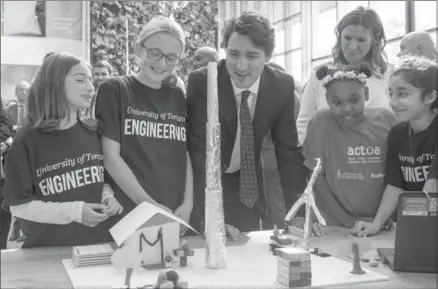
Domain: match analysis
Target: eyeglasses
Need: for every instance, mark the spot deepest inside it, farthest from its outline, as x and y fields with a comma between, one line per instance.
x=156, y=54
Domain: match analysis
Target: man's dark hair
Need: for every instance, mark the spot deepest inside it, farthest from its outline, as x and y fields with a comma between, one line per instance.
x=256, y=27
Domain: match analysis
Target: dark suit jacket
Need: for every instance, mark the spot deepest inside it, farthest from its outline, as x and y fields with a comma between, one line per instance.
x=5, y=127
x=268, y=148
x=5, y=133
x=273, y=113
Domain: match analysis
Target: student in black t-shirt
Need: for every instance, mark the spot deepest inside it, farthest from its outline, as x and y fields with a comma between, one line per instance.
x=412, y=143
x=55, y=175
x=142, y=123
x=432, y=179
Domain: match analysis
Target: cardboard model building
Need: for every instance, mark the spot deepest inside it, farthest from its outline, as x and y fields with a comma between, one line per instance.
x=145, y=235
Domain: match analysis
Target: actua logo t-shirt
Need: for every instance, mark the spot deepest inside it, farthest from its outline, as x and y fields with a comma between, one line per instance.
x=353, y=157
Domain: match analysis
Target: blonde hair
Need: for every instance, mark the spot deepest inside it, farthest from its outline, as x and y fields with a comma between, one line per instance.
x=47, y=103
x=160, y=24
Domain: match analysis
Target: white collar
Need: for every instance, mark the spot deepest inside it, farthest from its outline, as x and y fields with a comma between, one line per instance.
x=254, y=88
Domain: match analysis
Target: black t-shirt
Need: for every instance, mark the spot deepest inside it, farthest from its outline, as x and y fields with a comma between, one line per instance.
x=59, y=166
x=150, y=125
x=433, y=174
x=434, y=167
x=410, y=156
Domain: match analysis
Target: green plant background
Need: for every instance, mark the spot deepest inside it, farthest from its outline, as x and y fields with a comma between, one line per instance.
x=108, y=29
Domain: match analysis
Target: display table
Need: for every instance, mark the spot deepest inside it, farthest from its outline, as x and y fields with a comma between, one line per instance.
x=42, y=267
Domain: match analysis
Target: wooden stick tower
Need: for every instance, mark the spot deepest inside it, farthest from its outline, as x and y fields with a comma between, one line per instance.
x=307, y=199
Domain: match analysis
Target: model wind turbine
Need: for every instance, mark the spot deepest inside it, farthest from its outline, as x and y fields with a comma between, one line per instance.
x=308, y=199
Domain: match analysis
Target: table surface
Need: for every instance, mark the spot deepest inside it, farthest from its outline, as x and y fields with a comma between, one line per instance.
x=42, y=267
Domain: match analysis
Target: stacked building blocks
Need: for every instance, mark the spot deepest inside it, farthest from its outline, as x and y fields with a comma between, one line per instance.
x=183, y=253
x=92, y=255
x=294, y=268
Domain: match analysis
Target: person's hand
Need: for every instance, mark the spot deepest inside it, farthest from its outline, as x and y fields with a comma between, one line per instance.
x=4, y=148
x=316, y=229
x=112, y=206
x=431, y=185
x=90, y=216
x=232, y=232
x=388, y=226
x=363, y=229
x=184, y=211
x=166, y=285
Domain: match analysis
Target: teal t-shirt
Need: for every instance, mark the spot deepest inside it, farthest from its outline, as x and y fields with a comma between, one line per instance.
x=353, y=160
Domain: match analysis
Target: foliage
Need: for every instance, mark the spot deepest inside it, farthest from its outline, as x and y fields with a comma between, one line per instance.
x=108, y=29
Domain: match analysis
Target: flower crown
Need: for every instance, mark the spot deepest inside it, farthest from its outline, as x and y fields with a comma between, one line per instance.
x=340, y=74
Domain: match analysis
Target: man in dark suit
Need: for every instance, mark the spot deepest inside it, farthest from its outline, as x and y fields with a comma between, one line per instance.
x=274, y=193
x=254, y=100
x=5, y=142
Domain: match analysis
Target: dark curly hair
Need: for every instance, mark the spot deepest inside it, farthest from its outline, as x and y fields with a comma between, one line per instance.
x=421, y=73
x=256, y=27
x=324, y=70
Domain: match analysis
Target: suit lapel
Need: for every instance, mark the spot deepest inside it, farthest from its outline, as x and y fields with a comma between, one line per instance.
x=227, y=100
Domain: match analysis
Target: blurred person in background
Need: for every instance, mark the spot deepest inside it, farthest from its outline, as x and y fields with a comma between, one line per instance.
x=5, y=140
x=418, y=43
x=22, y=92
x=101, y=70
x=203, y=55
x=16, y=112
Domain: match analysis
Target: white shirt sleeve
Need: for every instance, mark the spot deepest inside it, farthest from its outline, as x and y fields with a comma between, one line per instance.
x=9, y=141
x=49, y=212
x=308, y=106
x=378, y=93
